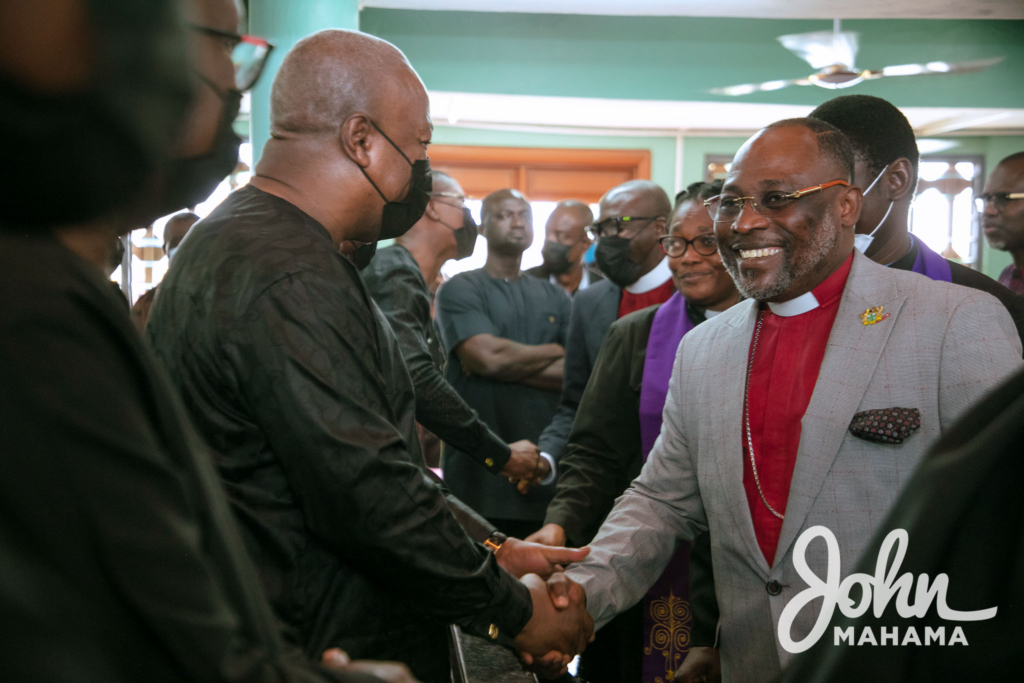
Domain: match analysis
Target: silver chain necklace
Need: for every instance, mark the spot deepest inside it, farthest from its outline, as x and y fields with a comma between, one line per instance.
x=750, y=440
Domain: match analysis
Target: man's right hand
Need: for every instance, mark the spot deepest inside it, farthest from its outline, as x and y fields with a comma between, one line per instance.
x=524, y=463
x=566, y=629
x=549, y=534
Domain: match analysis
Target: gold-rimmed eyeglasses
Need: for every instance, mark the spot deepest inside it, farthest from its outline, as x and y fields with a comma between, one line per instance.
x=726, y=208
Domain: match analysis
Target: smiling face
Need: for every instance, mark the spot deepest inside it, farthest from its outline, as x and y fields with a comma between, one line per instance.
x=702, y=280
x=780, y=257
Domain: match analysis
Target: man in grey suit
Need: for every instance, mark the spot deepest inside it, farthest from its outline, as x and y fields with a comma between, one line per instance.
x=771, y=423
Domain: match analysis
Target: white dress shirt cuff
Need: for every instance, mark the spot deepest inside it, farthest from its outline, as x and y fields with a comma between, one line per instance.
x=550, y=479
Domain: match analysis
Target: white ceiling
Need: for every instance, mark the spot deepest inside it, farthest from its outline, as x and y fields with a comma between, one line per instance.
x=639, y=117
x=768, y=9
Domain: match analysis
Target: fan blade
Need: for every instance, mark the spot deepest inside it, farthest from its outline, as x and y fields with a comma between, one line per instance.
x=748, y=88
x=933, y=68
x=823, y=48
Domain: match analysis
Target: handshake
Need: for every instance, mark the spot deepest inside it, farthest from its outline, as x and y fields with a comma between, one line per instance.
x=560, y=627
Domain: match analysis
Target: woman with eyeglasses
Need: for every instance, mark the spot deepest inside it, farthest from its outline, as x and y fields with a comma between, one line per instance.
x=618, y=420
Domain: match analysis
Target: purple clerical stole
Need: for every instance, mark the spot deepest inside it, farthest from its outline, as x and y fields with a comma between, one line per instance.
x=927, y=263
x=666, y=607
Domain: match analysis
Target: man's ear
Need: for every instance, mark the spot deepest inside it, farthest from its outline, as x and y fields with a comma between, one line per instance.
x=355, y=139
x=850, y=203
x=431, y=212
x=900, y=182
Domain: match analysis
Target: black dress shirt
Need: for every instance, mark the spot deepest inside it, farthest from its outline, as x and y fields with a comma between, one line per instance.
x=528, y=311
x=119, y=557
x=293, y=375
x=397, y=286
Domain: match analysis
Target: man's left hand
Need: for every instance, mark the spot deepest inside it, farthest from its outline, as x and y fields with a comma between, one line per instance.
x=523, y=557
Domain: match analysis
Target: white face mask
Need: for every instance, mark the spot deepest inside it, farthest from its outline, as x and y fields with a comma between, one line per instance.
x=860, y=241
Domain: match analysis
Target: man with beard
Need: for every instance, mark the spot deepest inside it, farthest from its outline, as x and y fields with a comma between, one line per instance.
x=1002, y=216
x=565, y=243
x=504, y=335
x=119, y=559
x=397, y=280
x=886, y=164
x=633, y=216
x=297, y=381
x=616, y=426
x=808, y=405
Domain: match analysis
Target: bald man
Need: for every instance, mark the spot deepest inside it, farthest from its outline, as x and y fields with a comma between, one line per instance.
x=295, y=378
x=565, y=242
x=397, y=279
x=1002, y=216
x=794, y=418
x=633, y=216
x=504, y=336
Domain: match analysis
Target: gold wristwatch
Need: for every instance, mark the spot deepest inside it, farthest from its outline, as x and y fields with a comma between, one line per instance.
x=495, y=541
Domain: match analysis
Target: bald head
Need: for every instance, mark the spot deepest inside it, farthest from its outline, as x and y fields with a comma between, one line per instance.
x=176, y=228
x=641, y=195
x=496, y=199
x=332, y=74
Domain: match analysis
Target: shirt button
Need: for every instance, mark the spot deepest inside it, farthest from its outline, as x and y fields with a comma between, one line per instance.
x=493, y=632
x=773, y=587
x=489, y=462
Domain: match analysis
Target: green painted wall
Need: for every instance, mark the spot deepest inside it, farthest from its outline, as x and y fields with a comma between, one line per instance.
x=680, y=58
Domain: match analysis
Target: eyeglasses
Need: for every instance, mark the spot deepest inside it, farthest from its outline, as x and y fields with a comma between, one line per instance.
x=248, y=53
x=676, y=247
x=998, y=199
x=726, y=208
x=611, y=227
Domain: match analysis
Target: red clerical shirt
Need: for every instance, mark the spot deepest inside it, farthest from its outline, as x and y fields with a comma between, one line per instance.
x=634, y=302
x=785, y=369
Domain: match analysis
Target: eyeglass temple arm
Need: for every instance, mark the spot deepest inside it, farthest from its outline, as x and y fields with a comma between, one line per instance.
x=818, y=188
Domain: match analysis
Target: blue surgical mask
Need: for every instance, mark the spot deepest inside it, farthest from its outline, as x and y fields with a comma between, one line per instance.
x=170, y=253
x=861, y=241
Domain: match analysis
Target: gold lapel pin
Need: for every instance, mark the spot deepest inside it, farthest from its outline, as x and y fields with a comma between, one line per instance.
x=873, y=315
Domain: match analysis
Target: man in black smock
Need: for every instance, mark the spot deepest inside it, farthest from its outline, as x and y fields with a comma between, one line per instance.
x=399, y=279
x=504, y=334
x=296, y=380
x=119, y=557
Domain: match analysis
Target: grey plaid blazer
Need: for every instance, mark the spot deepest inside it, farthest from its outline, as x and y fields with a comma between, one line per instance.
x=940, y=350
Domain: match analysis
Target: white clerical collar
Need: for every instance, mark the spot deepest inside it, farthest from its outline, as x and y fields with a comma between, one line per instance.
x=652, y=280
x=709, y=314
x=803, y=303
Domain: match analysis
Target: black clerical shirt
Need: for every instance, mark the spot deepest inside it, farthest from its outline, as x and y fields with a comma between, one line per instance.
x=397, y=285
x=293, y=375
x=119, y=557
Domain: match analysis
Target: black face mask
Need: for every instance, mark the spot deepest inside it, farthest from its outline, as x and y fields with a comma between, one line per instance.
x=612, y=256
x=190, y=181
x=362, y=256
x=556, y=257
x=465, y=236
x=398, y=217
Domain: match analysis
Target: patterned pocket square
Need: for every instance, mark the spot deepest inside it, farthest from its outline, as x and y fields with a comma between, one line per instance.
x=886, y=425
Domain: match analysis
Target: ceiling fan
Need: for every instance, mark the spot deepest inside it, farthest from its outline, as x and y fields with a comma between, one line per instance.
x=833, y=53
